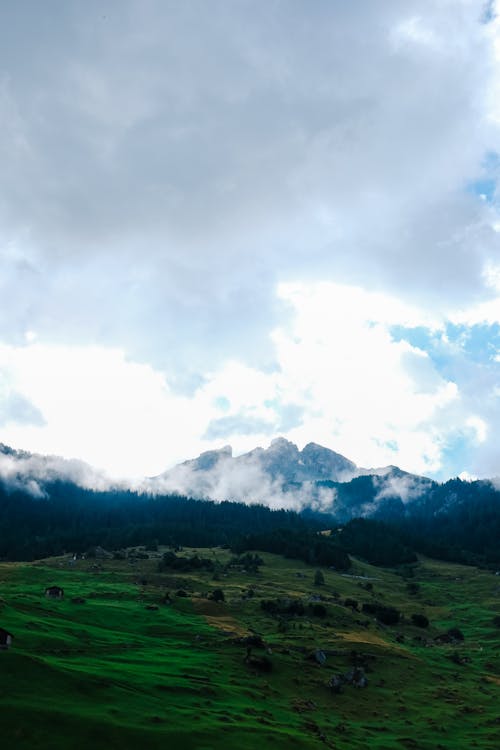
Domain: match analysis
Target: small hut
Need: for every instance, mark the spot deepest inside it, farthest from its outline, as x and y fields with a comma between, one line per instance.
x=5, y=638
x=54, y=592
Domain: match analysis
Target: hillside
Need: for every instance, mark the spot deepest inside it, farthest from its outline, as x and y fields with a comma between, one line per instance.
x=125, y=659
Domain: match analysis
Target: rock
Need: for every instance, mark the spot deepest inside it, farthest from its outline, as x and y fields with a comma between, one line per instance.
x=336, y=683
x=317, y=656
x=356, y=677
x=320, y=657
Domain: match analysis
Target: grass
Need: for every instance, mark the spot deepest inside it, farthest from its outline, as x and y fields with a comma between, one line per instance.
x=110, y=673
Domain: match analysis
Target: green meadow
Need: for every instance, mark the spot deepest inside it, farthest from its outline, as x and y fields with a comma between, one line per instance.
x=111, y=673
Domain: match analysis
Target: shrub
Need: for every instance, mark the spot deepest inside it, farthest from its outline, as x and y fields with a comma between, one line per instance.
x=385, y=615
x=319, y=578
x=456, y=634
x=388, y=615
x=289, y=607
x=260, y=663
x=317, y=610
x=217, y=595
x=249, y=562
x=171, y=561
x=420, y=621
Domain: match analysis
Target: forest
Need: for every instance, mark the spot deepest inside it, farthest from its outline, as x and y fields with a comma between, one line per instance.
x=456, y=521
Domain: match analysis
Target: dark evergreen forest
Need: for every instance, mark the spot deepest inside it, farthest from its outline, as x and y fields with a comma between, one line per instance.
x=456, y=521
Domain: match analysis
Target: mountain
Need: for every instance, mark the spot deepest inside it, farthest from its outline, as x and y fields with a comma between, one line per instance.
x=48, y=504
x=284, y=476
x=315, y=479
x=283, y=460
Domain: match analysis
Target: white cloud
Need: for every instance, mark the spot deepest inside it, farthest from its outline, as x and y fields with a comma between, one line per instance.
x=362, y=389
x=479, y=426
x=31, y=472
x=406, y=488
x=352, y=386
x=99, y=406
x=165, y=166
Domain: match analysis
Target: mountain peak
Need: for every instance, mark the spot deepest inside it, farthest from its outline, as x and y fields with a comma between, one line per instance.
x=208, y=459
x=323, y=463
x=281, y=442
x=282, y=446
x=282, y=461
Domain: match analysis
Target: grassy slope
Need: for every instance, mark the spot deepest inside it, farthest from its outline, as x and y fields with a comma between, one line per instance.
x=111, y=674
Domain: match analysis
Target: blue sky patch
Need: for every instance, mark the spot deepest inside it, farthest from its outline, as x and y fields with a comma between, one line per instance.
x=478, y=343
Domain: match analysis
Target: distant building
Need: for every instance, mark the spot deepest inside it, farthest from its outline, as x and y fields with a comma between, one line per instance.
x=5, y=638
x=54, y=592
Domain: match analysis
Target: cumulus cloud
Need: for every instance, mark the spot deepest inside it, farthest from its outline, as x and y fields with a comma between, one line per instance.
x=341, y=377
x=165, y=164
x=177, y=178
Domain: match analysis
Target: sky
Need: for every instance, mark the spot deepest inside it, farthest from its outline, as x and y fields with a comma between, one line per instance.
x=223, y=222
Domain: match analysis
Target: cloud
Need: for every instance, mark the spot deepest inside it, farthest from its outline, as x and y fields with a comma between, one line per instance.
x=14, y=407
x=341, y=377
x=242, y=480
x=237, y=424
x=164, y=165
x=30, y=473
x=210, y=201
x=405, y=487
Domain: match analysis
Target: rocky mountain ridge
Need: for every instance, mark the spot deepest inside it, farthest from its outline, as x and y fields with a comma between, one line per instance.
x=284, y=459
x=315, y=478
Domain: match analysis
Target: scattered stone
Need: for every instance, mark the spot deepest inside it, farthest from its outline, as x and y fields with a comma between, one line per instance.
x=320, y=657
x=336, y=683
x=356, y=677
